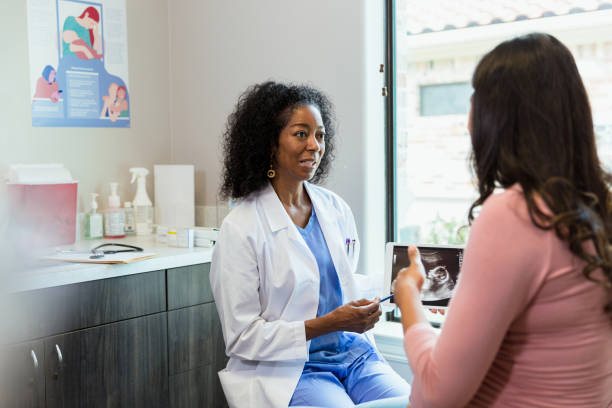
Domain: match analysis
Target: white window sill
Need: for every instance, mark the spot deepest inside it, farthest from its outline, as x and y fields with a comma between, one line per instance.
x=389, y=339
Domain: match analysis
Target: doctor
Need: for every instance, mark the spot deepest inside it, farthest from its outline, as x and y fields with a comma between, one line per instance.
x=282, y=270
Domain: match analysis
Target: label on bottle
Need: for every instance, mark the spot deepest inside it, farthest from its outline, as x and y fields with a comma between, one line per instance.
x=114, y=224
x=95, y=226
x=130, y=220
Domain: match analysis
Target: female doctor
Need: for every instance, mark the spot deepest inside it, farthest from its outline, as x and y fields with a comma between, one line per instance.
x=282, y=270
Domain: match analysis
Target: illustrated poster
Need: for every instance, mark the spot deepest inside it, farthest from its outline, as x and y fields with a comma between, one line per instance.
x=78, y=63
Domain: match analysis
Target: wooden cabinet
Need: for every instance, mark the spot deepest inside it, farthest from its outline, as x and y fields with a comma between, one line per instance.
x=121, y=364
x=22, y=380
x=195, y=340
x=145, y=340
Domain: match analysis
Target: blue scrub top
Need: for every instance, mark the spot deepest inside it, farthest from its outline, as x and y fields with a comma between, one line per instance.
x=336, y=347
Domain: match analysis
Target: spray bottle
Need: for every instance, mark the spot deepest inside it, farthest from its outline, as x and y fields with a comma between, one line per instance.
x=114, y=217
x=93, y=220
x=143, y=207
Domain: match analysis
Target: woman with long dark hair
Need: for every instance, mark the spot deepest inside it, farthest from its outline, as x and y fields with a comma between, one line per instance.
x=530, y=323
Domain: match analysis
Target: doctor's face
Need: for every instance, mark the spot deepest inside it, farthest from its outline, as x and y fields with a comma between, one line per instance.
x=301, y=144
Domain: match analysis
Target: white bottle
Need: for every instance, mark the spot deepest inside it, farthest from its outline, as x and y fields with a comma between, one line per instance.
x=93, y=220
x=143, y=207
x=114, y=217
x=130, y=218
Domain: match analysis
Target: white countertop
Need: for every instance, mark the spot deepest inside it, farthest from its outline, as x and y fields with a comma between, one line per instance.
x=46, y=273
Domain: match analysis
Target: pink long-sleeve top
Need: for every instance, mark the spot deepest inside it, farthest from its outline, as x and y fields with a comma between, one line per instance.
x=525, y=328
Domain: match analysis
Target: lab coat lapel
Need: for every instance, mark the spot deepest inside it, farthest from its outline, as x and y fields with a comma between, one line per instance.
x=278, y=218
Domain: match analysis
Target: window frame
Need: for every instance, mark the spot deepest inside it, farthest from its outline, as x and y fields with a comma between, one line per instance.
x=390, y=120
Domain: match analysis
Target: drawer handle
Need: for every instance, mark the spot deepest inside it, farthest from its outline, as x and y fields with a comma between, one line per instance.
x=60, y=360
x=34, y=359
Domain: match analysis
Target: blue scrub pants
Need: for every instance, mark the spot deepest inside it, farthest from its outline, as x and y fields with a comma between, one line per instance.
x=340, y=385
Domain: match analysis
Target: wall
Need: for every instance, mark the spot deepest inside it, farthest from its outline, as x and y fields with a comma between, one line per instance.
x=94, y=156
x=189, y=60
x=219, y=48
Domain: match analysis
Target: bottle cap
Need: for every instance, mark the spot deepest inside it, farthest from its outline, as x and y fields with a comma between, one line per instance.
x=94, y=203
x=113, y=199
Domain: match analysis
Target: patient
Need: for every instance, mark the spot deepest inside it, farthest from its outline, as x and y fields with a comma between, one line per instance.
x=530, y=322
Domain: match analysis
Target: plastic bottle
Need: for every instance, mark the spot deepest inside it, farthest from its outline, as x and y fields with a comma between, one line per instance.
x=130, y=218
x=93, y=220
x=143, y=207
x=114, y=217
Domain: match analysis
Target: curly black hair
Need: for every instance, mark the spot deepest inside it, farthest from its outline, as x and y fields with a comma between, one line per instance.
x=253, y=129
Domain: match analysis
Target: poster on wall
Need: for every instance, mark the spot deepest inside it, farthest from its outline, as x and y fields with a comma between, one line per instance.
x=78, y=63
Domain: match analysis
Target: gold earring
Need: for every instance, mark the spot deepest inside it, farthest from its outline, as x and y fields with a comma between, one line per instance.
x=271, y=173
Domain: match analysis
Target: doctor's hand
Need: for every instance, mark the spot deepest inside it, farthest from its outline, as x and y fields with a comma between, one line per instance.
x=357, y=316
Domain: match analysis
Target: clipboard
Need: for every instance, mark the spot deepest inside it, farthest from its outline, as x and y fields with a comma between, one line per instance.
x=119, y=258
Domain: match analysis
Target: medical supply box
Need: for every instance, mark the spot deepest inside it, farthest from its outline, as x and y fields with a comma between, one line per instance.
x=42, y=205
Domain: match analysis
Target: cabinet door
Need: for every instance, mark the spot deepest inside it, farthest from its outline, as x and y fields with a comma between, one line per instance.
x=123, y=364
x=197, y=388
x=196, y=353
x=22, y=381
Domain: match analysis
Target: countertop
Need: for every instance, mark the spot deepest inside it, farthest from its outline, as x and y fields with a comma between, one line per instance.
x=47, y=273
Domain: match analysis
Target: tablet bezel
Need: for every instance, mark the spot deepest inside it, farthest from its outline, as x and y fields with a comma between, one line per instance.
x=389, y=260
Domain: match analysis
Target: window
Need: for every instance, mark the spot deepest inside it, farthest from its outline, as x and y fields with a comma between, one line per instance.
x=436, y=48
x=445, y=99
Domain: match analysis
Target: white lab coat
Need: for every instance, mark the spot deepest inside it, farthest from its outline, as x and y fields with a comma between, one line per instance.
x=265, y=281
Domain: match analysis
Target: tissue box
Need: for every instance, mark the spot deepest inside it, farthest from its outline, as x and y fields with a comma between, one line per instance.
x=43, y=215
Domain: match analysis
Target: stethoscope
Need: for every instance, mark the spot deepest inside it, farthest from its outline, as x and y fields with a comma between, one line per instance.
x=98, y=253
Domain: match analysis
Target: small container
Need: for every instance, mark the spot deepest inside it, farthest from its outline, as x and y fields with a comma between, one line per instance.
x=204, y=243
x=143, y=206
x=184, y=238
x=161, y=236
x=114, y=217
x=207, y=233
x=94, y=225
x=181, y=237
x=130, y=218
x=171, y=237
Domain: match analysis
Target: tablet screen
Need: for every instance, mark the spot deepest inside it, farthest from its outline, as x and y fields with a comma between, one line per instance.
x=442, y=265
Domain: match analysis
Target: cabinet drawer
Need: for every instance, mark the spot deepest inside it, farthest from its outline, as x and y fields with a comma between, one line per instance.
x=195, y=338
x=77, y=306
x=189, y=285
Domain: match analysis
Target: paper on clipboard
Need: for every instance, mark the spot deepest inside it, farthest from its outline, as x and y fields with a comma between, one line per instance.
x=120, y=258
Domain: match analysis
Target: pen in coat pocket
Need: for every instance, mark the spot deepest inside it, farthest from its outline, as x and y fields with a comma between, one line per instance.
x=347, y=242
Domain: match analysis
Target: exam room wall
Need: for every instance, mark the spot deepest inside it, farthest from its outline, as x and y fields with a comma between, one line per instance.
x=95, y=156
x=219, y=48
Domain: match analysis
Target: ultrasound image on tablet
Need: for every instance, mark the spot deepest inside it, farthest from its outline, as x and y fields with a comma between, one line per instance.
x=442, y=266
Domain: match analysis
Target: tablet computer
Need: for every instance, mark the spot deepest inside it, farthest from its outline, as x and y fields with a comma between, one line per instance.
x=442, y=265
